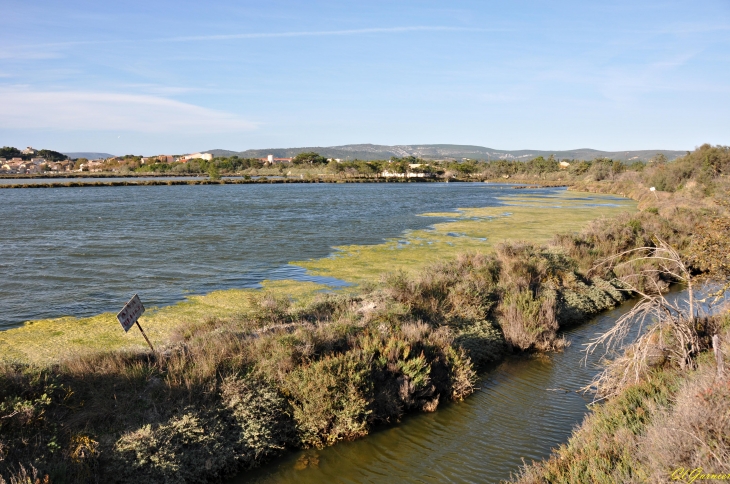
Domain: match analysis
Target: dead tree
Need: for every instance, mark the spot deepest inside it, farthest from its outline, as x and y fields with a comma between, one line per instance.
x=666, y=329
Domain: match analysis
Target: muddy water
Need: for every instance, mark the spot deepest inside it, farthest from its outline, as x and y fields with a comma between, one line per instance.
x=523, y=408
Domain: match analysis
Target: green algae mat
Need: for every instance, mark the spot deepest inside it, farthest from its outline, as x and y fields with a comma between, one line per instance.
x=532, y=218
x=536, y=218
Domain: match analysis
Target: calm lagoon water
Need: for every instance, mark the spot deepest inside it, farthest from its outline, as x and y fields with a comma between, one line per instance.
x=83, y=251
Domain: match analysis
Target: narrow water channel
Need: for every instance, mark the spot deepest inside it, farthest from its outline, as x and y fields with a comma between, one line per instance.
x=523, y=408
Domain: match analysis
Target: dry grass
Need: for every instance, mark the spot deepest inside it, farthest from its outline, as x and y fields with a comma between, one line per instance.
x=692, y=433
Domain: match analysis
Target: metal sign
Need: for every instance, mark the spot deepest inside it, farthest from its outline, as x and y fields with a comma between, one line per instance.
x=130, y=313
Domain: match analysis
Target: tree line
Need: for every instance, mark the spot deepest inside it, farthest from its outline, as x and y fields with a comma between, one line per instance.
x=48, y=155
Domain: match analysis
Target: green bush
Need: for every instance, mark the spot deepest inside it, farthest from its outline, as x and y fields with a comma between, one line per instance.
x=251, y=423
x=327, y=402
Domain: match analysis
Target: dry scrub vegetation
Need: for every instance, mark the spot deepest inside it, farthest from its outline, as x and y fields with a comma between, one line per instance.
x=666, y=415
x=228, y=394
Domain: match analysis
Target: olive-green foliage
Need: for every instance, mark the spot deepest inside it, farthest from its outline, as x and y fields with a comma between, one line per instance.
x=448, y=293
x=213, y=172
x=263, y=416
x=328, y=403
x=577, y=304
x=310, y=158
x=250, y=423
x=703, y=165
x=174, y=451
x=531, y=281
x=520, y=295
x=343, y=378
x=529, y=321
x=483, y=342
x=460, y=295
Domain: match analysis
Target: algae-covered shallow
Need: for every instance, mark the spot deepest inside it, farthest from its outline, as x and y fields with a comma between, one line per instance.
x=536, y=215
x=49, y=340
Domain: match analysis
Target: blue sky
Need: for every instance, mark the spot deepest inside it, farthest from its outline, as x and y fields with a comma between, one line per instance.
x=176, y=77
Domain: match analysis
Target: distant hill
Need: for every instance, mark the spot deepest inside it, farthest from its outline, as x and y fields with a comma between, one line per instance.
x=88, y=156
x=446, y=152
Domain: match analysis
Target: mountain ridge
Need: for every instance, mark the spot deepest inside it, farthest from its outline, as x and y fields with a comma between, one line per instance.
x=367, y=151
x=89, y=155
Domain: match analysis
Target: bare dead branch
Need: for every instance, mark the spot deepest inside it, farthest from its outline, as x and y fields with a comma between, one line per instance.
x=672, y=332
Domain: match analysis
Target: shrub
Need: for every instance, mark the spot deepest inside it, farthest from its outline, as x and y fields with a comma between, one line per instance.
x=250, y=424
x=185, y=449
x=529, y=322
x=327, y=403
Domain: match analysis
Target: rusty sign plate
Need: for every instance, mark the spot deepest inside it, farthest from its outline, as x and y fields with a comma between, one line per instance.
x=130, y=313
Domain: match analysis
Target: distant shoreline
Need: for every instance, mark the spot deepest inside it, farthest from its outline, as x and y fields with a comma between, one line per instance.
x=263, y=180
x=86, y=174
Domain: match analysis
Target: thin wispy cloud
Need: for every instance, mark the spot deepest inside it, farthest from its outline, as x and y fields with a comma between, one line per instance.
x=17, y=50
x=104, y=111
x=323, y=33
x=31, y=52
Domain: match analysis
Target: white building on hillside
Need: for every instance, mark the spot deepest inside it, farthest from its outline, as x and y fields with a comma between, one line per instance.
x=196, y=156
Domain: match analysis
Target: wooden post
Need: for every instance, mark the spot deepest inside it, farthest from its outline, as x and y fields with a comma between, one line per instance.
x=145, y=336
x=718, y=355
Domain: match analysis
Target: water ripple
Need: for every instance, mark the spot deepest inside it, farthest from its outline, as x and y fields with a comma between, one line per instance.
x=60, y=248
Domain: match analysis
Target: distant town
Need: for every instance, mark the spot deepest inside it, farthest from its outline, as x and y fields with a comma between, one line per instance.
x=31, y=161
x=311, y=165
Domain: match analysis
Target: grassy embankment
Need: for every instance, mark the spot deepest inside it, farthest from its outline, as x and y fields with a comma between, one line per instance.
x=229, y=392
x=670, y=422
